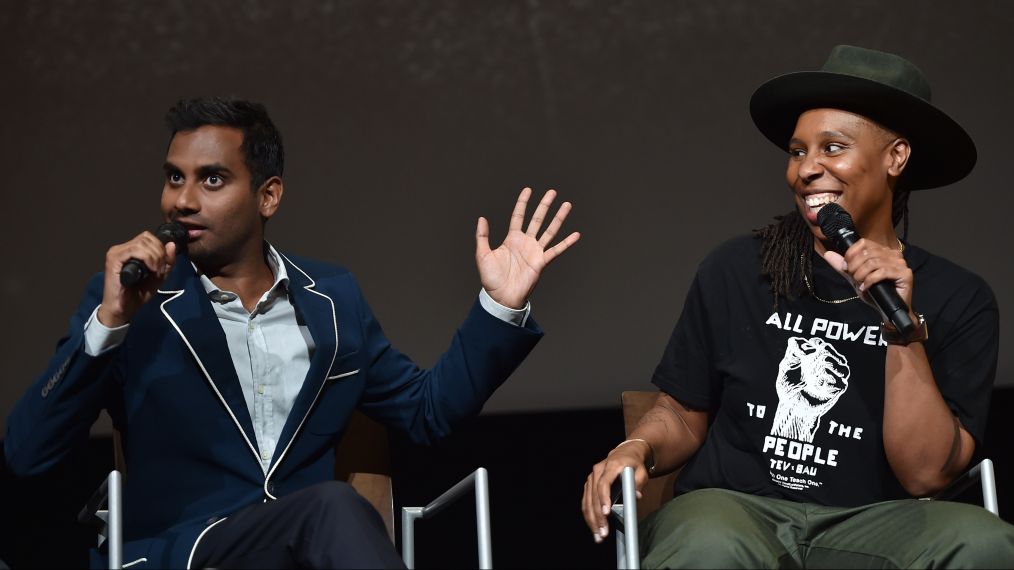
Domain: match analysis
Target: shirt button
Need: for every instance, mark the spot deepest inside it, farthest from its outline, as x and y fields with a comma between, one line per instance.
x=260, y=388
x=251, y=325
x=265, y=456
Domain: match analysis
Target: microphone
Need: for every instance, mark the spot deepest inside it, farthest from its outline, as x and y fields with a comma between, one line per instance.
x=134, y=270
x=838, y=227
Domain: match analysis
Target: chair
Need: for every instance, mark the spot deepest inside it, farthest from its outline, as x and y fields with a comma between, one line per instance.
x=659, y=490
x=362, y=459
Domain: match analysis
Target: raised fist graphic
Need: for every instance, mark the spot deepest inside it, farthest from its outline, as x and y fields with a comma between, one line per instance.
x=811, y=377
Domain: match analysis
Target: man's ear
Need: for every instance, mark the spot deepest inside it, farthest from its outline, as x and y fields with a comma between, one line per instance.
x=898, y=154
x=269, y=196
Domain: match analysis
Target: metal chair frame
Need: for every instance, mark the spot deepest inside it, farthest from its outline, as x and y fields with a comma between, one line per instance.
x=477, y=481
x=105, y=510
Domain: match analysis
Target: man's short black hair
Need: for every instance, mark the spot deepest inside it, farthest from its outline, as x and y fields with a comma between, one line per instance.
x=262, y=143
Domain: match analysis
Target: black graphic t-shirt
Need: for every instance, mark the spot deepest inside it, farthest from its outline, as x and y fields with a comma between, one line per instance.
x=797, y=394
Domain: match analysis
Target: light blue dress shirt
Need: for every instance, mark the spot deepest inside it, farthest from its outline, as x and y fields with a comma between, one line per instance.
x=270, y=348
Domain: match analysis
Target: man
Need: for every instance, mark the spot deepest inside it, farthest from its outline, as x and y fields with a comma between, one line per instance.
x=805, y=423
x=232, y=368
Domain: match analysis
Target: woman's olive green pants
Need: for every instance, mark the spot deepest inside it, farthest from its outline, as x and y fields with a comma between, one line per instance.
x=717, y=528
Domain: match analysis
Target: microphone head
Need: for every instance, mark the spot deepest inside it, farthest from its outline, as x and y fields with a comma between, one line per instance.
x=173, y=232
x=837, y=225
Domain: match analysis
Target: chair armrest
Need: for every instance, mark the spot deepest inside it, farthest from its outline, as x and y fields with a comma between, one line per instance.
x=981, y=473
x=477, y=480
x=628, y=550
x=109, y=494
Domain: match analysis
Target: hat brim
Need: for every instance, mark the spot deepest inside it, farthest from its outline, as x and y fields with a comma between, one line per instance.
x=942, y=152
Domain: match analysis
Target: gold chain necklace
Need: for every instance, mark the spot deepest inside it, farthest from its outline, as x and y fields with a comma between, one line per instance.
x=809, y=286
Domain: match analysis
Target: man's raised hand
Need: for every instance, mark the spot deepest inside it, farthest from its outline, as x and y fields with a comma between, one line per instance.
x=510, y=272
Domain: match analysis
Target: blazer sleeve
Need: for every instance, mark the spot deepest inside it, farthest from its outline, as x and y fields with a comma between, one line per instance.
x=59, y=407
x=426, y=404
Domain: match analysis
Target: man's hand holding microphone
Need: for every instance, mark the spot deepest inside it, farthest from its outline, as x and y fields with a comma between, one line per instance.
x=135, y=269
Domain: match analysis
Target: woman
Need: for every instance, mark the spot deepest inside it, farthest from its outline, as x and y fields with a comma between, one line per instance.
x=804, y=422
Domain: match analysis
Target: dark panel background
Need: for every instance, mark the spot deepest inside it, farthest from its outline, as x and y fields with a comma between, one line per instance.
x=405, y=121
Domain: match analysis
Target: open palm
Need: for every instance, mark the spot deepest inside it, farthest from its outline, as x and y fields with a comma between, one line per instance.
x=510, y=272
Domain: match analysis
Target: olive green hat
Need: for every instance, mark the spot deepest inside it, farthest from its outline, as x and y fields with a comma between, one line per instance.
x=883, y=87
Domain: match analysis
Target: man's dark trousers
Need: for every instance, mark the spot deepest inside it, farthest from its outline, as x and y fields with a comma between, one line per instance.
x=327, y=525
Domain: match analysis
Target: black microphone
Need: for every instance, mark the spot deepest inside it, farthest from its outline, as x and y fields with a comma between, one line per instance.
x=134, y=270
x=838, y=227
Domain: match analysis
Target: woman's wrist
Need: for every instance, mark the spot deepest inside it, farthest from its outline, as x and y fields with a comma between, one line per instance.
x=649, y=459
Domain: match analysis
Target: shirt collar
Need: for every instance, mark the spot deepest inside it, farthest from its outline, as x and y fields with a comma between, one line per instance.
x=278, y=288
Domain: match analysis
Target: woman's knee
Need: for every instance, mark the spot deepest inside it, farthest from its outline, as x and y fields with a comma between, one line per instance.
x=709, y=528
x=967, y=536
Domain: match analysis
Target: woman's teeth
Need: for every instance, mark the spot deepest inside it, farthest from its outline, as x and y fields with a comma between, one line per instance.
x=820, y=200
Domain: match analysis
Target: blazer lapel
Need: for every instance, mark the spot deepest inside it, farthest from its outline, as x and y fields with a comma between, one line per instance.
x=186, y=306
x=318, y=313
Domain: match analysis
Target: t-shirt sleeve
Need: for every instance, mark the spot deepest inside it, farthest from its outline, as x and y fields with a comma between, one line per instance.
x=687, y=371
x=963, y=350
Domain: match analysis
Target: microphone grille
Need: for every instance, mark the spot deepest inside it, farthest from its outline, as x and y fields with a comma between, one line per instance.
x=832, y=219
x=173, y=232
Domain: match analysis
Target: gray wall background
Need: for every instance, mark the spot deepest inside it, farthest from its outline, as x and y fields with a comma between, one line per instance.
x=405, y=121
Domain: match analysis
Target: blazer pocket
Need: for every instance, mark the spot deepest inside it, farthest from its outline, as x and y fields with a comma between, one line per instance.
x=345, y=367
x=343, y=375
x=329, y=414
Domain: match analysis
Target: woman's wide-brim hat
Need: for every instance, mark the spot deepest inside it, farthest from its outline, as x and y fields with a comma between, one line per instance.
x=880, y=86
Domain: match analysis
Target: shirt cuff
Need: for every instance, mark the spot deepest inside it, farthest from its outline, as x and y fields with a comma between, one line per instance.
x=513, y=316
x=99, y=338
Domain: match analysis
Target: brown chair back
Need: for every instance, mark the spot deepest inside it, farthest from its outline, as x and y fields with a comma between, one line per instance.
x=363, y=460
x=658, y=490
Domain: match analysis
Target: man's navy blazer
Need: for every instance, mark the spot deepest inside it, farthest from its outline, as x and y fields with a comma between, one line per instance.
x=172, y=391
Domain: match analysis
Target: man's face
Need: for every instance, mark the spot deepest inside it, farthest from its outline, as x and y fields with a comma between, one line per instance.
x=837, y=156
x=207, y=190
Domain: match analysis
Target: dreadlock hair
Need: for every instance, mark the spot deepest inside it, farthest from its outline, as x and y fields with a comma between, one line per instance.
x=789, y=239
